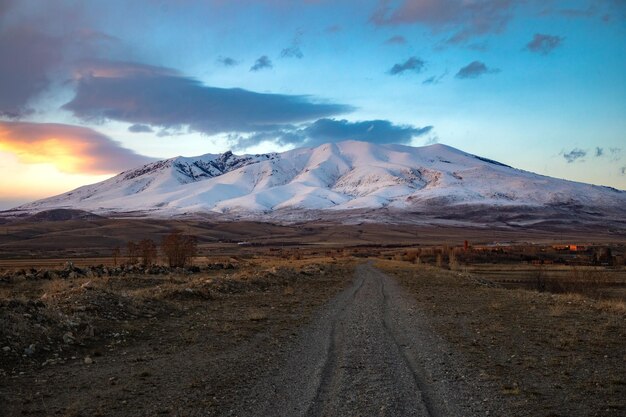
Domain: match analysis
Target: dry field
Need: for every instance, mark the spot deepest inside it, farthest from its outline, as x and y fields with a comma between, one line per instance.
x=145, y=345
x=505, y=337
x=539, y=354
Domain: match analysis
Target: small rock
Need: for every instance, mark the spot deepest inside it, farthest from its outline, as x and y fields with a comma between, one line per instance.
x=6, y=348
x=88, y=360
x=68, y=338
x=29, y=350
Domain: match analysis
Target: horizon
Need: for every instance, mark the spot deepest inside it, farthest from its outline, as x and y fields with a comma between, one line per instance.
x=96, y=89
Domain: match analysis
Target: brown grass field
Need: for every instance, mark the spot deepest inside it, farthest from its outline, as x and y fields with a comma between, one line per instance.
x=539, y=331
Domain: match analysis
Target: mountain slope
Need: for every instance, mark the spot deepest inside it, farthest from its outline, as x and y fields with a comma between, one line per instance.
x=332, y=177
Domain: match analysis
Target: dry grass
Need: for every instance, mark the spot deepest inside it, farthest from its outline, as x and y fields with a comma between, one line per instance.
x=527, y=345
x=613, y=306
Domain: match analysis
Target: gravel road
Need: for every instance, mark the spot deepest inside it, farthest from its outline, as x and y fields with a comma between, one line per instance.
x=366, y=354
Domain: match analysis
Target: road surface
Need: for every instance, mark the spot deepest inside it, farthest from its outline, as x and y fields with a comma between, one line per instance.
x=364, y=355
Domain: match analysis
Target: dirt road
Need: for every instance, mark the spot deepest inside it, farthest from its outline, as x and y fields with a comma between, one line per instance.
x=367, y=354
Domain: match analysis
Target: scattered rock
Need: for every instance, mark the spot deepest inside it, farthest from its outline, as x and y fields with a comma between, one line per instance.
x=88, y=360
x=68, y=338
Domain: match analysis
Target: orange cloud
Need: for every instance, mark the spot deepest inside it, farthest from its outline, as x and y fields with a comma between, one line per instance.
x=71, y=149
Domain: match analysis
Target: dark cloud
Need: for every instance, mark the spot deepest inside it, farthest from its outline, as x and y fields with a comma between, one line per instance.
x=435, y=79
x=396, y=40
x=27, y=59
x=544, y=44
x=604, y=10
x=227, y=61
x=375, y=131
x=71, y=149
x=138, y=128
x=466, y=19
x=161, y=97
x=5, y=5
x=474, y=70
x=574, y=155
x=292, y=52
x=38, y=43
x=332, y=130
x=412, y=64
x=261, y=63
x=614, y=154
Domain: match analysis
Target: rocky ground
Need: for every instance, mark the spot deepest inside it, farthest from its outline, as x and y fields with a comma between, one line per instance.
x=312, y=337
x=177, y=343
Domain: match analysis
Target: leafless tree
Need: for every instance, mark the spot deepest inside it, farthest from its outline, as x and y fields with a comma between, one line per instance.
x=179, y=249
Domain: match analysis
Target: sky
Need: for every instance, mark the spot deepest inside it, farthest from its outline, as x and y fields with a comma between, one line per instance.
x=89, y=88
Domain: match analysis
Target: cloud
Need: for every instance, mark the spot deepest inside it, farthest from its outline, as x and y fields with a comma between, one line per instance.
x=334, y=29
x=161, y=97
x=435, y=79
x=396, y=40
x=574, y=155
x=623, y=170
x=294, y=51
x=463, y=19
x=38, y=43
x=139, y=128
x=227, y=61
x=71, y=149
x=261, y=63
x=291, y=52
x=332, y=130
x=603, y=10
x=5, y=5
x=544, y=44
x=412, y=64
x=27, y=59
x=474, y=70
x=614, y=154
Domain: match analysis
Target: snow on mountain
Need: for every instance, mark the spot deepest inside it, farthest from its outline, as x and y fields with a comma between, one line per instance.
x=339, y=176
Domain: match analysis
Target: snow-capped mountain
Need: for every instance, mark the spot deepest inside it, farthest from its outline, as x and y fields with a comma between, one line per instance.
x=329, y=178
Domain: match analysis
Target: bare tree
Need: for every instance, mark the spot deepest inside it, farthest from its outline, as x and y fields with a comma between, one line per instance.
x=132, y=251
x=179, y=249
x=116, y=254
x=147, y=252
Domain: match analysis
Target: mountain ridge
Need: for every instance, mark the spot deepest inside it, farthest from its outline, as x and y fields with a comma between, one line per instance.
x=334, y=178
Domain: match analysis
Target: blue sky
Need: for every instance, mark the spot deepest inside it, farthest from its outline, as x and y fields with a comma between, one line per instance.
x=91, y=87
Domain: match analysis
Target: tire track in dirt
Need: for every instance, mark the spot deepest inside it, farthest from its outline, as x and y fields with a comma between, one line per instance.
x=369, y=359
x=354, y=361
